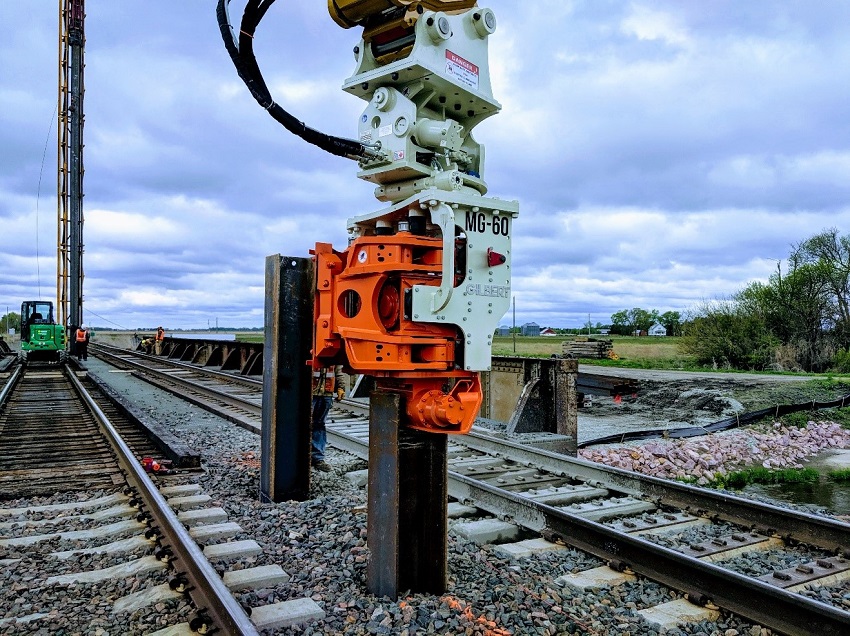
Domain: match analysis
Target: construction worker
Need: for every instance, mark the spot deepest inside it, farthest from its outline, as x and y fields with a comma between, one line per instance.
x=160, y=337
x=72, y=341
x=82, y=341
x=328, y=383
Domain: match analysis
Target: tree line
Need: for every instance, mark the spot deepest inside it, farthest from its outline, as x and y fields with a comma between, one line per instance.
x=798, y=320
x=629, y=321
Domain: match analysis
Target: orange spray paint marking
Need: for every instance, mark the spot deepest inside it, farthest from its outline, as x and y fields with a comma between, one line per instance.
x=465, y=611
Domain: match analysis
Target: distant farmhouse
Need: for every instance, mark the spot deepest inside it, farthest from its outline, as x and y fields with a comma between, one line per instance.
x=657, y=330
x=548, y=331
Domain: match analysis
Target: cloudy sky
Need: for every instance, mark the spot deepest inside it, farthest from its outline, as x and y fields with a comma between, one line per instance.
x=663, y=152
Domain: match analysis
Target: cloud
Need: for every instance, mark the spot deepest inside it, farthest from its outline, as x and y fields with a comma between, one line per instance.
x=662, y=152
x=647, y=24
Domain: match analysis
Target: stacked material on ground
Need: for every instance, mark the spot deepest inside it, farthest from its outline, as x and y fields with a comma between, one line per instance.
x=588, y=348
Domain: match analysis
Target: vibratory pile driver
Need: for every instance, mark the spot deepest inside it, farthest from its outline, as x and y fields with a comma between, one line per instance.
x=416, y=296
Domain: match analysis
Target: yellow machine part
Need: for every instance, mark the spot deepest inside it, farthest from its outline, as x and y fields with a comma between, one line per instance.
x=352, y=13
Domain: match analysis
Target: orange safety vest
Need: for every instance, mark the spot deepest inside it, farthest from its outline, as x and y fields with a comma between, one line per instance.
x=160, y=335
x=81, y=335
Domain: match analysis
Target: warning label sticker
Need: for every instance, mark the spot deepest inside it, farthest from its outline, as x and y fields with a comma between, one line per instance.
x=463, y=71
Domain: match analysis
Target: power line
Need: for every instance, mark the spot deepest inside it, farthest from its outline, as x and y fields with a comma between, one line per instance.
x=88, y=310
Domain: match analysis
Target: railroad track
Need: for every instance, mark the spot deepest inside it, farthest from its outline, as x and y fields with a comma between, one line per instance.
x=50, y=440
x=688, y=538
x=77, y=498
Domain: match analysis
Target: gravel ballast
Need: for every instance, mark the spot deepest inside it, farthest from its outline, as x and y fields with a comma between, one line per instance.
x=321, y=543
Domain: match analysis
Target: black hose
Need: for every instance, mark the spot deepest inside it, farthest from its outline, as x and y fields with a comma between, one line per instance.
x=242, y=54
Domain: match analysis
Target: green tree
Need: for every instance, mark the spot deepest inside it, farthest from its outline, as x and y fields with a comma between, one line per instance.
x=641, y=319
x=672, y=322
x=831, y=253
x=11, y=320
x=787, y=323
x=723, y=334
x=798, y=308
x=620, y=323
x=797, y=319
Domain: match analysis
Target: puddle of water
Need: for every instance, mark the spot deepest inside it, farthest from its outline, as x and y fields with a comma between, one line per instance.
x=825, y=493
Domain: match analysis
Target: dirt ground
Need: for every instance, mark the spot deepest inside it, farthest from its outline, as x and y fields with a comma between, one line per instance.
x=677, y=399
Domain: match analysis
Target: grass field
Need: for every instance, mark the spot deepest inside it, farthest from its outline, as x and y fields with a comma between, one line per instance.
x=643, y=353
x=640, y=353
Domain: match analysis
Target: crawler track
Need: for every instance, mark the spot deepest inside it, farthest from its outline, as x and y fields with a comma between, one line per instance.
x=613, y=514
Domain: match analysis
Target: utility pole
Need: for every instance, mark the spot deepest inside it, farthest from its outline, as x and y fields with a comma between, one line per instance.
x=69, y=264
x=513, y=302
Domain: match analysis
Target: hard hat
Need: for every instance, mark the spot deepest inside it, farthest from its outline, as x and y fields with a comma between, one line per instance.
x=83, y=327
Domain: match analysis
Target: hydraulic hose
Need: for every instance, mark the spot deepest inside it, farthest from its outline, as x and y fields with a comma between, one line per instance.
x=241, y=51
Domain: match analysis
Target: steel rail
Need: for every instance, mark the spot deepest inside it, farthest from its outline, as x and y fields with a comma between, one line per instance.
x=10, y=384
x=772, y=606
x=829, y=534
x=209, y=592
x=818, y=531
x=238, y=379
x=212, y=393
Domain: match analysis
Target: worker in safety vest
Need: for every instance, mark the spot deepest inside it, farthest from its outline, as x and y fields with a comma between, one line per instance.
x=81, y=339
x=328, y=383
x=160, y=337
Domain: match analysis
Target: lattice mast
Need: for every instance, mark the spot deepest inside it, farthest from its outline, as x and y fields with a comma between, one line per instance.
x=69, y=262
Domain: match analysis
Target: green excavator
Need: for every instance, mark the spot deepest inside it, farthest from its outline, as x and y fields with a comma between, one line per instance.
x=42, y=340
